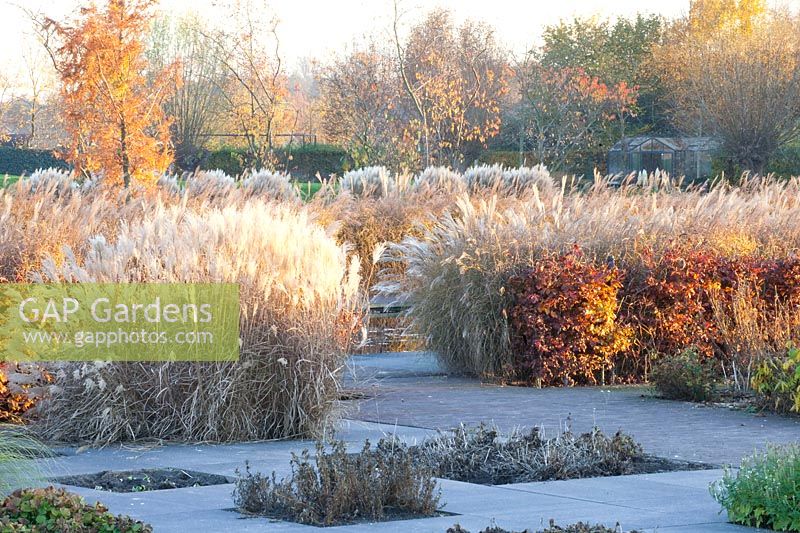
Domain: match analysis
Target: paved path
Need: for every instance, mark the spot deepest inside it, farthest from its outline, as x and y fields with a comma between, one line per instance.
x=676, y=502
x=411, y=396
x=409, y=389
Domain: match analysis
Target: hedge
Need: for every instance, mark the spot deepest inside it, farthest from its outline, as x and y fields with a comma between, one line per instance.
x=19, y=161
x=302, y=162
x=507, y=158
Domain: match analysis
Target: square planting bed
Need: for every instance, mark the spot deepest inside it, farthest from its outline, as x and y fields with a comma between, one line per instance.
x=143, y=480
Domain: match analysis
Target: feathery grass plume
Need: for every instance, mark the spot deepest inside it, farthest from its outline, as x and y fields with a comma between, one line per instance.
x=374, y=182
x=171, y=184
x=525, y=179
x=456, y=270
x=440, y=179
x=19, y=451
x=368, y=223
x=54, y=181
x=269, y=185
x=484, y=177
x=210, y=184
x=752, y=331
x=455, y=282
x=40, y=221
x=300, y=301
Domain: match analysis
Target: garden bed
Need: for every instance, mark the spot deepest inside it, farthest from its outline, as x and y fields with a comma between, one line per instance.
x=484, y=456
x=143, y=480
x=580, y=527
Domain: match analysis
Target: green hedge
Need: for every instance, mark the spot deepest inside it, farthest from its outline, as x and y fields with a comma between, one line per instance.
x=507, y=158
x=229, y=160
x=302, y=162
x=786, y=162
x=19, y=161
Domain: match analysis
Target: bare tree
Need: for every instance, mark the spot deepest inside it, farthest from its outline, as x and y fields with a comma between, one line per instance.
x=39, y=83
x=359, y=95
x=254, y=94
x=196, y=101
x=740, y=82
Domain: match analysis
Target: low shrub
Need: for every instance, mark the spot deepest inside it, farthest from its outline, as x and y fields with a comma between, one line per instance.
x=777, y=382
x=229, y=160
x=484, y=455
x=55, y=510
x=340, y=488
x=21, y=387
x=300, y=300
x=305, y=162
x=563, y=322
x=684, y=376
x=507, y=158
x=764, y=491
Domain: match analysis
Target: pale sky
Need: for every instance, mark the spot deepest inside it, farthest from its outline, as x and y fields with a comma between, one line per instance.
x=315, y=28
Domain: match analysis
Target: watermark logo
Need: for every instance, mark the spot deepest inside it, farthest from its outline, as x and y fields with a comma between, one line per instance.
x=119, y=322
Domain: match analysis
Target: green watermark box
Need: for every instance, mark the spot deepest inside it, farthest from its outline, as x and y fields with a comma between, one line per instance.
x=119, y=322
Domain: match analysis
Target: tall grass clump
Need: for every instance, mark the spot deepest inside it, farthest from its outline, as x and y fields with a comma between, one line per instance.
x=372, y=182
x=269, y=185
x=524, y=179
x=54, y=181
x=498, y=179
x=455, y=280
x=440, y=179
x=676, y=251
x=19, y=451
x=483, y=177
x=210, y=184
x=299, y=297
x=39, y=222
x=368, y=225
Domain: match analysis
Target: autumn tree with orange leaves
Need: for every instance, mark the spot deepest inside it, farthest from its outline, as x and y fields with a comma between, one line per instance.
x=454, y=80
x=113, y=115
x=732, y=70
x=564, y=112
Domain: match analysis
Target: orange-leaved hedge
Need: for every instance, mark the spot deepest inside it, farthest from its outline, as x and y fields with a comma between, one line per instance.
x=576, y=320
x=16, y=399
x=564, y=327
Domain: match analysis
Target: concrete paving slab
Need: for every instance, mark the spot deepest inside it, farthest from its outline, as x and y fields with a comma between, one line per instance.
x=681, y=430
x=412, y=399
